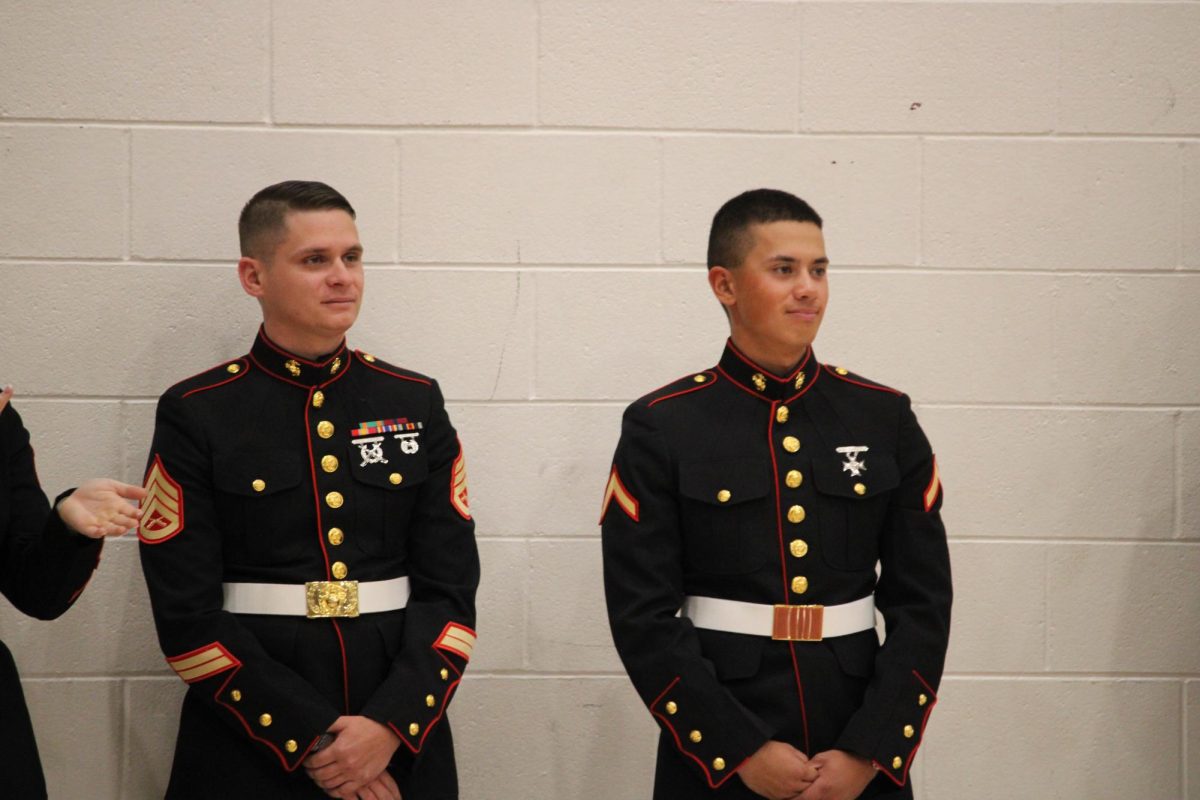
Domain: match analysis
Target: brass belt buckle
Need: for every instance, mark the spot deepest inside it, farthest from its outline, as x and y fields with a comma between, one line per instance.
x=798, y=623
x=331, y=599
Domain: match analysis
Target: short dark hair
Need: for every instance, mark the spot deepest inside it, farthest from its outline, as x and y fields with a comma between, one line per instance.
x=262, y=221
x=729, y=238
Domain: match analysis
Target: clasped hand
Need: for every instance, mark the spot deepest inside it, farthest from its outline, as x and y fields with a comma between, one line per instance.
x=779, y=771
x=354, y=766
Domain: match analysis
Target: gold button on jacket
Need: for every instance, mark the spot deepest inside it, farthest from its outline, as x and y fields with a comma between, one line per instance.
x=782, y=493
x=301, y=477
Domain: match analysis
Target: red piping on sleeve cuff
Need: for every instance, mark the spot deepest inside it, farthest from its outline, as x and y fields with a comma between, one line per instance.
x=886, y=769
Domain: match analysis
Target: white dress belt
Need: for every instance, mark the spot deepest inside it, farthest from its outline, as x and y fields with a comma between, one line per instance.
x=292, y=599
x=785, y=622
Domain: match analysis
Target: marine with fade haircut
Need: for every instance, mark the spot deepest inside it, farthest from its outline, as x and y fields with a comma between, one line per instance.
x=745, y=513
x=263, y=221
x=307, y=541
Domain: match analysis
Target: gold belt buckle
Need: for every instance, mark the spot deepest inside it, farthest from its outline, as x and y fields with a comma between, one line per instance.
x=331, y=599
x=798, y=623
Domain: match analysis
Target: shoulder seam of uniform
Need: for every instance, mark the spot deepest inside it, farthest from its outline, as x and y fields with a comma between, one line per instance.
x=229, y=377
x=379, y=365
x=858, y=380
x=711, y=379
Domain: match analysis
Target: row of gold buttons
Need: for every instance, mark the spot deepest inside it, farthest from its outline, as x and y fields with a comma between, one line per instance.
x=795, y=513
x=672, y=709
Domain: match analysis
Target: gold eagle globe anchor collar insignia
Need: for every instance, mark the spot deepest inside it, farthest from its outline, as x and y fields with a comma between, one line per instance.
x=289, y=367
x=761, y=382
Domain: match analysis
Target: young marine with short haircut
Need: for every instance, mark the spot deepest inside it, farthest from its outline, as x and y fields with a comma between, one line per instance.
x=747, y=508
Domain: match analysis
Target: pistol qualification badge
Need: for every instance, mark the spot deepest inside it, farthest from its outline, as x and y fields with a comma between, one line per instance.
x=853, y=464
x=371, y=450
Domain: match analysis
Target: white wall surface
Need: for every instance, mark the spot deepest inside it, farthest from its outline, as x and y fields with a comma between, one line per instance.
x=1013, y=201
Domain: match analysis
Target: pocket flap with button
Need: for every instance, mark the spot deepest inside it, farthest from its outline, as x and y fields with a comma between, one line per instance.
x=257, y=473
x=725, y=482
x=880, y=475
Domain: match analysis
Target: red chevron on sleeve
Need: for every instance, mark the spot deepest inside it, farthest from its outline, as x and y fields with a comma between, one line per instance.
x=617, y=491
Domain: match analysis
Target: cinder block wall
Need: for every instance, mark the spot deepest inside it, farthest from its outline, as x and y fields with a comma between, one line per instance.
x=1013, y=197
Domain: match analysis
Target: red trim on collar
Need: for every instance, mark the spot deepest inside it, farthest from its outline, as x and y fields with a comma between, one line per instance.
x=766, y=372
x=267, y=341
x=304, y=386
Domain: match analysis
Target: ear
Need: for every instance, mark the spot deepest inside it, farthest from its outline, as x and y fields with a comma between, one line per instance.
x=250, y=273
x=722, y=283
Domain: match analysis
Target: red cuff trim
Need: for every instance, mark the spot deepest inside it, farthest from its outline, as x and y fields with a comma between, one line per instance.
x=666, y=723
x=405, y=736
x=283, y=759
x=887, y=768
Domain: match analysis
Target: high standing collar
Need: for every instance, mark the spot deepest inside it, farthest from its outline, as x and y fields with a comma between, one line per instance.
x=285, y=366
x=763, y=383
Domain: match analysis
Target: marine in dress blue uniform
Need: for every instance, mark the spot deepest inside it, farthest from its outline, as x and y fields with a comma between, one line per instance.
x=309, y=551
x=45, y=564
x=745, y=514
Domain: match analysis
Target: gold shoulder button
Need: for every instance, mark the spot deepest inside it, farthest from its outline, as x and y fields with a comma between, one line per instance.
x=234, y=369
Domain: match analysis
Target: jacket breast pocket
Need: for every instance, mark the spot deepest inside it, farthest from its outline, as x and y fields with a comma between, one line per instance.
x=256, y=499
x=853, y=509
x=385, y=495
x=725, y=511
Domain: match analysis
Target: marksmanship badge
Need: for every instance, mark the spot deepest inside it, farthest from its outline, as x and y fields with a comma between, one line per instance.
x=371, y=450
x=853, y=464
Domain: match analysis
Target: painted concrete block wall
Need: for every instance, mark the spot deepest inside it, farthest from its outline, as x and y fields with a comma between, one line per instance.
x=1013, y=201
